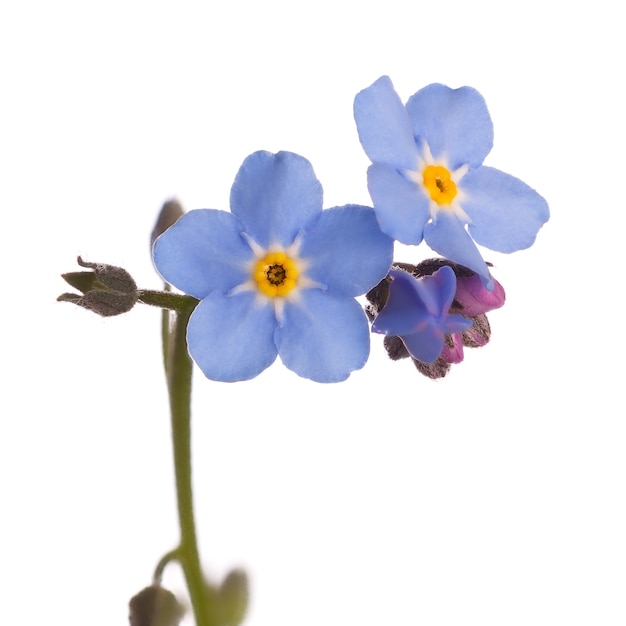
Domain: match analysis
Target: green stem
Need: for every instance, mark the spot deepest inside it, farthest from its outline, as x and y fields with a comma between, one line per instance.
x=165, y=331
x=179, y=385
x=172, y=555
x=167, y=299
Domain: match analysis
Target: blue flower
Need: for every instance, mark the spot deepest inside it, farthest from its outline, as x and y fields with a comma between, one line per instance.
x=417, y=311
x=427, y=180
x=276, y=275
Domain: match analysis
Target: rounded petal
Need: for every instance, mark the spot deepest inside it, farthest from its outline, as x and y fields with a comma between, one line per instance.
x=231, y=338
x=404, y=310
x=347, y=265
x=401, y=206
x=426, y=345
x=506, y=213
x=203, y=251
x=437, y=291
x=454, y=122
x=323, y=337
x=384, y=126
x=275, y=196
x=448, y=237
x=454, y=324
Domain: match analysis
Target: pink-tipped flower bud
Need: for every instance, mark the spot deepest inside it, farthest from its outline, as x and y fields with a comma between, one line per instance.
x=452, y=351
x=474, y=298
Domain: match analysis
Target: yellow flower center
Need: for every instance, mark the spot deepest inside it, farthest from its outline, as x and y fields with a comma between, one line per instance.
x=441, y=187
x=275, y=274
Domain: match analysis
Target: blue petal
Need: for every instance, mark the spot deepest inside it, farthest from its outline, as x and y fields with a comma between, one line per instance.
x=426, y=345
x=437, y=291
x=401, y=206
x=346, y=250
x=454, y=122
x=275, y=196
x=232, y=337
x=203, y=251
x=404, y=310
x=506, y=213
x=455, y=324
x=384, y=126
x=323, y=337
x=448, y=237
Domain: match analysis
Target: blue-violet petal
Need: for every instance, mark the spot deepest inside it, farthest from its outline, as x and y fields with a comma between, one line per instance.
x=426, y=345
x=275, y=195
x=384, y=126
x=505, y=212
x=454, y=122
x=401, y=206
x=346, y=250
x=405, y=310
x=448, y=237
x=231, y=338
x=323, y=337
x=203, y=251
x=437, y=291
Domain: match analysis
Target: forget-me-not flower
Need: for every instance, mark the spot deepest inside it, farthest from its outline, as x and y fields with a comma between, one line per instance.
x=418, y=311
x=427, y=180
x=277, y=275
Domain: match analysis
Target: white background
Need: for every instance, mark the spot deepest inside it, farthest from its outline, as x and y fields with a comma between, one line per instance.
x=492, y=497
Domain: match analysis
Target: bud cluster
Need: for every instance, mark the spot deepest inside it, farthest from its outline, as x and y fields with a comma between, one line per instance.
x=472, y=300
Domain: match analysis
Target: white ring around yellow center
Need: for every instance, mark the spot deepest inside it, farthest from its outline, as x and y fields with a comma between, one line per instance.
x=440, y=183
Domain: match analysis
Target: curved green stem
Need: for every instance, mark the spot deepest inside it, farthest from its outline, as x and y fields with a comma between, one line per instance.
x=179, y=368
x=172, y=555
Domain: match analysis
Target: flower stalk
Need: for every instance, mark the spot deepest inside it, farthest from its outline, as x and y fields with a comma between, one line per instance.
x=167, y=300
x=178, y=372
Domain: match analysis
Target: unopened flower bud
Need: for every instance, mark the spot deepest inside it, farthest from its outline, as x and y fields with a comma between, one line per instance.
x=435, y=370
x=234, y=594
x=474, y=299
x=452, y=351
x=395, y=347
x=155, y=606
x=479, y=332
x=107, y=290
x=168, y=216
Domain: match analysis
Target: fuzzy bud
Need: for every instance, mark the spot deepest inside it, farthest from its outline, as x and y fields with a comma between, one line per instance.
x=107, y=290
x=155, y=606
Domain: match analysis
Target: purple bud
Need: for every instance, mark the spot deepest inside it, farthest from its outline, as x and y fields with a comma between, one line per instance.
x=453, y=349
